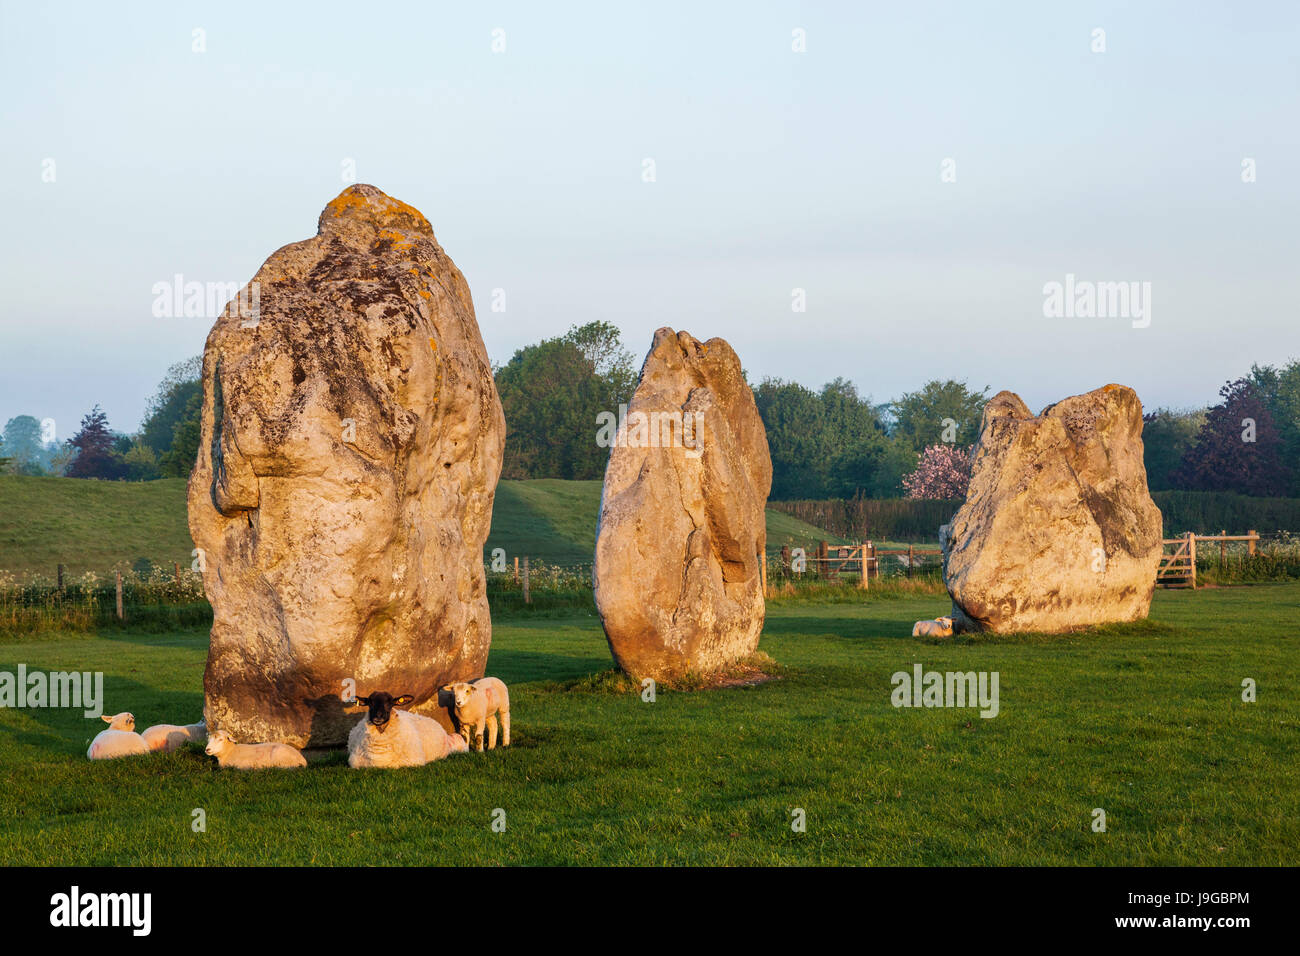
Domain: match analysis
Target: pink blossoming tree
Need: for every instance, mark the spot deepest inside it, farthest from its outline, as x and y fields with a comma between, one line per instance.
x=942, y=471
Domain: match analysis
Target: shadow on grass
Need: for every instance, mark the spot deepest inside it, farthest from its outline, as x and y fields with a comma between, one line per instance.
x=514, y=666
x=66, y=730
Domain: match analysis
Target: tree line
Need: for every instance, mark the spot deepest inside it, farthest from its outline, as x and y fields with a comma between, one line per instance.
x=826, y=443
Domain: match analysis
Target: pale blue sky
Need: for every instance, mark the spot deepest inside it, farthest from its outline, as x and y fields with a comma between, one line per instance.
x=775, y=170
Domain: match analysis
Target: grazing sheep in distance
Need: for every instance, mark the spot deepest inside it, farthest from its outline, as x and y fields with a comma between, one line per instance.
x=939, y=627
x=387, y=737
x=252, y=756
x=119, y=740
x=169, y=737
x=484, y=702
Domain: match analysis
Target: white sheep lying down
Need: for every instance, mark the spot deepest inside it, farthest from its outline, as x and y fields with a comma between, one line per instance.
x=939, y=627
x=119, y=740
x=409, y=740
x=252, y=756
x=169, y=737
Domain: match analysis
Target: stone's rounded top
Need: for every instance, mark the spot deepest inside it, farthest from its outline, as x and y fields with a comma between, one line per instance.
x=365, y=206
x=1004, y=405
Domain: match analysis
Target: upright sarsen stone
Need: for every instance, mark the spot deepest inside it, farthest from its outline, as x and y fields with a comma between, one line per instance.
x=350, y=449
x=681, y=531
x=1058, y=530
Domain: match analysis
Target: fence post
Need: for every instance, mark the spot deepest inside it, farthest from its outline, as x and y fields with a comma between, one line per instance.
x=60, y=578
x=517, y=568
x=762, y=571
x=1223, y=548
x=119, y=595
x=823, y=560
x=785, y=559
x=1191, y=553
x=527, y=597
x=909, y=560
x=866, y=568
x=1250, y=545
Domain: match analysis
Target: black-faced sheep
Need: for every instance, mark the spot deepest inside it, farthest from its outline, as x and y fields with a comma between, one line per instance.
x=388, y=737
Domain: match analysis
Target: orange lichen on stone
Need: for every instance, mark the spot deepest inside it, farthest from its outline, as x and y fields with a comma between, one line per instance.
x=361, y=199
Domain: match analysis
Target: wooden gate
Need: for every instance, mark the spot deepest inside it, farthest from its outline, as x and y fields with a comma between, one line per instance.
x=1178, y=569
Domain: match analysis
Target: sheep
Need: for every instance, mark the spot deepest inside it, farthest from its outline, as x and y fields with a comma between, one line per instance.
x=388, y=737
x=169, y=737
x=252, y=756
x=119, y=740
x=939, y=627
x=485, y=702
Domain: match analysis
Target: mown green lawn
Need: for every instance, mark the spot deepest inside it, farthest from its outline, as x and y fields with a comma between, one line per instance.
x=1144, y=721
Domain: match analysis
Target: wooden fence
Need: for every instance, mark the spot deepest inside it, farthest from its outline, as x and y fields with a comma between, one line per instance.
x=864, y=559
x=1178, y=567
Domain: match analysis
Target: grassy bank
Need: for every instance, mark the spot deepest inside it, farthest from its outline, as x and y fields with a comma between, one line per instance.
x=101, y=526
x=1144, y=721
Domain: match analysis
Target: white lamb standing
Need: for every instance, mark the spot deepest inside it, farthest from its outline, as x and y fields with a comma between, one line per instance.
x=939, y=627
x=119, y=740
x=483, y=704
x=388, y=737
x=252, y=756
x=169, y=737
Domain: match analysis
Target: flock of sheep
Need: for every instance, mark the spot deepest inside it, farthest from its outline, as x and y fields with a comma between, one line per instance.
x=385, y=737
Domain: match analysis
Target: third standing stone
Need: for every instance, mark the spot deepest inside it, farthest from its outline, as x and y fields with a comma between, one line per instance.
x=677, y=573
x=1058, y=530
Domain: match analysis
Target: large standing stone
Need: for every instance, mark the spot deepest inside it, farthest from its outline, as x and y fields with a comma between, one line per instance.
x=350, y=449
x=681, y=529
x=1058, y=530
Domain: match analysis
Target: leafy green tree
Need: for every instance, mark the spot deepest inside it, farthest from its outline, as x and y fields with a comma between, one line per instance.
x=928, y=416
x=139, y=463
x=170, y=404
x=602, y=346
x=1280, y=388
x=22, y=443
x=551, y=394
x=827, y=444
x=1166, y=437
x=183, y=449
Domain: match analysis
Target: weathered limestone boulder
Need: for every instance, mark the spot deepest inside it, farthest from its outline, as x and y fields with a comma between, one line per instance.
x=1058, y=530
x=351, y=444
x=682, y=515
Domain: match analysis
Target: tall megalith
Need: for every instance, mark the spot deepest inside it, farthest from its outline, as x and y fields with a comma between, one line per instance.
x=681, y=532
x=350, y=449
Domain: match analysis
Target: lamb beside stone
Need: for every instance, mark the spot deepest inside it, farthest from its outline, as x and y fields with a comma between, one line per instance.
x=388, y=737
x=119, y=740
x=939, y=627
x=485, y=702
x=169, y=737
x=252, y=756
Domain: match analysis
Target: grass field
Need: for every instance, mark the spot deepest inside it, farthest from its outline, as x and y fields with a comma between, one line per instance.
x=1145, y=721
x=93, y=525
